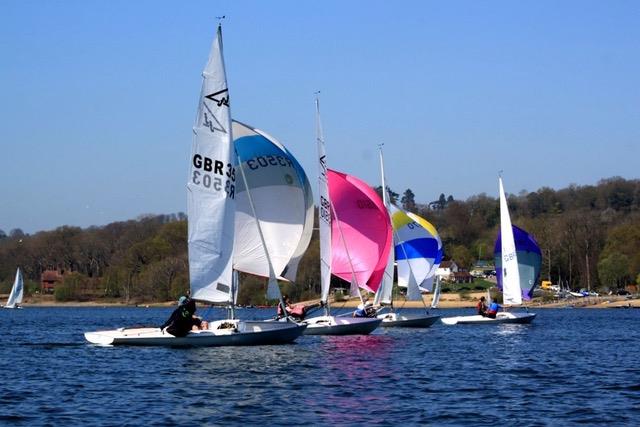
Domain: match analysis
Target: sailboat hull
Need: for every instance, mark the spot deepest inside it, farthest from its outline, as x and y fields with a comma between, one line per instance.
x=220, y=333
x=506, y=317
x=333, y=325
x=407, y=321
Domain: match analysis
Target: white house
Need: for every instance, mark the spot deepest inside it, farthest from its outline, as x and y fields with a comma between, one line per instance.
x=446, y=270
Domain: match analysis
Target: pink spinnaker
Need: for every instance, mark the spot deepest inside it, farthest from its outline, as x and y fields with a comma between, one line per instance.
x=365, y=225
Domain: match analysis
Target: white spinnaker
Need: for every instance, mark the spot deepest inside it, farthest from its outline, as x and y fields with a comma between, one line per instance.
x=17, y=291
x=383, y=295
x=280, y=192
x=511, y=293
x=211, y=187
x=324, y=210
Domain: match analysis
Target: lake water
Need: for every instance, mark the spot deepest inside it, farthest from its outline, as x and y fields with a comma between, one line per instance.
x=570, y=366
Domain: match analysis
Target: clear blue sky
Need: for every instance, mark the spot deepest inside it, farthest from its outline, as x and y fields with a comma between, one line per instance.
x=98, y=97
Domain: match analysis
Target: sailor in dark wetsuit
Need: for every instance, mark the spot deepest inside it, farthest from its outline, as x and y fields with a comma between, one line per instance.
x=182, y=319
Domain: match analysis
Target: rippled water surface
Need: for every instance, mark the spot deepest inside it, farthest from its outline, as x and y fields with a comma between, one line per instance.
x=571, y=366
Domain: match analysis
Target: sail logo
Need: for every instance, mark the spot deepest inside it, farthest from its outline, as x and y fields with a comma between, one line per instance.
x=223, y=100
x=323, y=166
x=209, y=120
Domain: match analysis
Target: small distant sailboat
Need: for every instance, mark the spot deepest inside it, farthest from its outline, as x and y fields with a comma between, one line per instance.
x=17, y=291
x=510, y=266
x=415, y=250
x=211, y=218
x=354, y=242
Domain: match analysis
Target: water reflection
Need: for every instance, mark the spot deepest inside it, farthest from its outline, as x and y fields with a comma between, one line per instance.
x=355, y=378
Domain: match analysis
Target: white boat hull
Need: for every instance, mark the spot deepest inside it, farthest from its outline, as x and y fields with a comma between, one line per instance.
x=333, y=325
x=505, y=317
x=220, y=333
x=407, y=321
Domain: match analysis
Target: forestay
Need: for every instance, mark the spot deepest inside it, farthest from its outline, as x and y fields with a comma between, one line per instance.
x=362, y=221
x=283, y=203
x=211, y=187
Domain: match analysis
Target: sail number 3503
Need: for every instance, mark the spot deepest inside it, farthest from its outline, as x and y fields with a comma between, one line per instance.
x=214, y=174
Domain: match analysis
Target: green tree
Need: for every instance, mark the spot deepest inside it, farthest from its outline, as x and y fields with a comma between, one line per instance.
x=613, y=270
x=408, y=200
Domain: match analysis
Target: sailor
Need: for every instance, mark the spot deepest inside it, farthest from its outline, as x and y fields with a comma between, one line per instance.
x=493, y=310
x=481, y=307
x=183, y=319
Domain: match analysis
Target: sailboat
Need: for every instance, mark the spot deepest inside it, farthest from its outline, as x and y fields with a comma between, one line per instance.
x=354, y=242
x=510, y=278
x=211, y=206
x=415, y=250
x=17, y=291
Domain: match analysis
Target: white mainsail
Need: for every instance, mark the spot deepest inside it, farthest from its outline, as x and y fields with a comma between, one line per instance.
x=17, y=291
x=324, y=210
x=211, y=187
x=511, y=292
x=383, y=295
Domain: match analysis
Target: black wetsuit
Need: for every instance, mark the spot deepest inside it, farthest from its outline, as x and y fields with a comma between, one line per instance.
x=180, y=322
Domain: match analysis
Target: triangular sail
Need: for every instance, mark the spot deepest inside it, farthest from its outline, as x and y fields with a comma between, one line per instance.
x=384, y=292
x=281, y=194
x=211, y=187
x=511, y=292
x=17, y=291
x=360, y=231
x=529, y=260
x=436, y=294
x=324, y=210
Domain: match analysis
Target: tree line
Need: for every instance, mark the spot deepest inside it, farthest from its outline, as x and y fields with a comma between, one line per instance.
x=589, y=237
